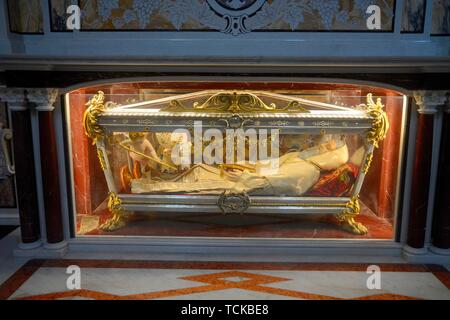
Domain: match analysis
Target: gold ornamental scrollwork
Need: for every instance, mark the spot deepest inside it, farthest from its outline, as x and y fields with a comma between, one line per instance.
x=368, y=162
x=101, y=159
x=235, y=102
x=380, y=123
x=380, y=127
x=347, y=217
x=234, y=202
x=114, y=202
x=96, y=106
x=118, y=220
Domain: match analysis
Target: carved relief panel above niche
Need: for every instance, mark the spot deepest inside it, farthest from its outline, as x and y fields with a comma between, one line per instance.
x=228, y=16
x=25, y=16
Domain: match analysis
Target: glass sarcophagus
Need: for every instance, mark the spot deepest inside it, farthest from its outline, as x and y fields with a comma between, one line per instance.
x=236, y=152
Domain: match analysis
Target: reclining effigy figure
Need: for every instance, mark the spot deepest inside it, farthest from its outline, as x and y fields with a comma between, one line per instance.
x=296, y=172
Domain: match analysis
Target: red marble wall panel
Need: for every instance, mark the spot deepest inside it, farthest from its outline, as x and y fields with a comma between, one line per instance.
x=390, y=159
x=89, y=182
x=421, y=181
x=25, y=176
x=441, y=223
x=379, y=189
x=80, y=145
x=50, y=178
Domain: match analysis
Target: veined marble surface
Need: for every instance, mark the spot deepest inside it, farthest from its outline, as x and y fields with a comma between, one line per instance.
x=128, y=279
x=175, y=284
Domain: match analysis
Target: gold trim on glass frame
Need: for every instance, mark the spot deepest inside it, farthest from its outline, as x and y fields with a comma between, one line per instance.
x=380, y=123
x=101, y=159
x=368, y=162
x=96, y=106
x=237, y=101
x=118, y=220
x=234, y=202
x=347, y=217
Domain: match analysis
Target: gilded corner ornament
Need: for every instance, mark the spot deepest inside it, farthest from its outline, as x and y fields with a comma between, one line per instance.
x=380, y=127
x=96, y=106
x=118, y=220
x=347, y=217
x=114, y=202
x=380, y=123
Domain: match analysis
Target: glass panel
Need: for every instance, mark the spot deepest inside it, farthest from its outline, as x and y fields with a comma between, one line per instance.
x=174, y=159
x=323, y=165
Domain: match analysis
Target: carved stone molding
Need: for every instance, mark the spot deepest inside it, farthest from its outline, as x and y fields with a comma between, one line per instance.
x=234, y=17
x=44, y=98
x=430, y=102
x=6, y=166
x=15, y=97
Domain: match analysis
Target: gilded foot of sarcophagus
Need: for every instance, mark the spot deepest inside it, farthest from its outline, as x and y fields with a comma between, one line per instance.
x=119, y=218
x=347, y=217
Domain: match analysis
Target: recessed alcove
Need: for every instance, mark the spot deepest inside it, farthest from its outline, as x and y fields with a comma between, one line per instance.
x=378, y=196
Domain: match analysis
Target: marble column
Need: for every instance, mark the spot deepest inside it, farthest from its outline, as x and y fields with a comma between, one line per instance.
x=429, y=103
x=43, y=100
x=441, y=217
x=24, y=166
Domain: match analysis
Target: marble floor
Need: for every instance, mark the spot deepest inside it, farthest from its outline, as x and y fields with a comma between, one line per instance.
x=197, y=280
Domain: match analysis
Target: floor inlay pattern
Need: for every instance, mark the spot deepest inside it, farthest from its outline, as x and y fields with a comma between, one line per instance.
x=124, y=280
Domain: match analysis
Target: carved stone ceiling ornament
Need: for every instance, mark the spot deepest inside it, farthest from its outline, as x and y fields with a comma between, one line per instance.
x=235, y=12
x=235, y=4
x=232, y=16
